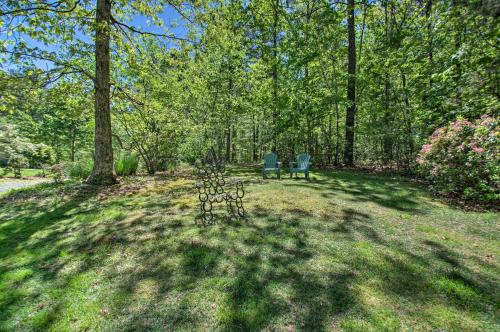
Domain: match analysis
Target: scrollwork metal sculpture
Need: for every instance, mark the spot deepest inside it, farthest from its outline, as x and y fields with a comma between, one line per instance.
x=211, y=189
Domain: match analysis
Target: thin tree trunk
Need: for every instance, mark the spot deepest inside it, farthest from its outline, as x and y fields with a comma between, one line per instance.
x=351, y=87
x=103, y=172
x=363, y=25
x=458, y=44
x=388, y=140
x=430, y=56
x=330, y=143
x=254, y=140
x=228, y=144
x=409, y=127
x=73, y=139
x=233, y=147
x=275, y=75
x=337, y=134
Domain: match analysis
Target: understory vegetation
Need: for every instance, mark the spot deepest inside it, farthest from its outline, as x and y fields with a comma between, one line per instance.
x=118, y=118
x=353, y=83
x=346, y=251
x=463, y=159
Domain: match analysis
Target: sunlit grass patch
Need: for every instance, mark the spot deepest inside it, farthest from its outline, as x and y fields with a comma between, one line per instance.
x=342, y=252
x=25, y=172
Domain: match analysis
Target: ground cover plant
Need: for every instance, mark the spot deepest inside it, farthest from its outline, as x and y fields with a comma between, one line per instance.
x=345, y=251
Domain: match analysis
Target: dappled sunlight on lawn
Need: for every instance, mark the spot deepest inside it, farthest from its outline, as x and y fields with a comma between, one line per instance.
x=344, y=251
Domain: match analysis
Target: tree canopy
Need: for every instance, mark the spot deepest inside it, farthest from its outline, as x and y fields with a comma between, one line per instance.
x=356, y=82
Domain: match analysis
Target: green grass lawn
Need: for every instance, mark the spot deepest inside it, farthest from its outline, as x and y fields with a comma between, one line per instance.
x=345, y=251
x=25, y=172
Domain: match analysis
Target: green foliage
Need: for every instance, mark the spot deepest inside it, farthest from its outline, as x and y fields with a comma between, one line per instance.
x=126, y=165
x=260, y=76
x=17, y=152
x=42, y=156
x=79, y=170
x=57, y=172
x=15, y=164
x=462, y=159
x=14, y=150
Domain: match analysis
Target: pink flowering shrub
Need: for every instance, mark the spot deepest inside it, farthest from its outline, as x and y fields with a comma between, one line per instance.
x=463, y=159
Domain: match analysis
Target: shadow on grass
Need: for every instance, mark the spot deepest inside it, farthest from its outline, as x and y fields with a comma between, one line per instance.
x=382, y=190
x=286, y=270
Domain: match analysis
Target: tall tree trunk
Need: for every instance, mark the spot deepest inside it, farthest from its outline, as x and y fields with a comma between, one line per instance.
x=103, y=172
x=73, y=143
x=430, y=55
x=388, y=139
x=458, y=44
x=275, y=75
x=233, y=147
x=408, y=122
x=363, y=25
x=254, y=139
x=351, y=87
x=228, y=144
x=330, y=139
x=337, y=134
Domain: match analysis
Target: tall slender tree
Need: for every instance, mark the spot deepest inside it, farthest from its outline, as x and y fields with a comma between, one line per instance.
x=351, y=87
x=103, y=171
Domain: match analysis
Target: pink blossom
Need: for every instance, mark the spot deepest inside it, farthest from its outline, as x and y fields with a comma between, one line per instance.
x=479, y=150
x=458, y=125
x=476, y=149
x=487, y=120
x=425, y=149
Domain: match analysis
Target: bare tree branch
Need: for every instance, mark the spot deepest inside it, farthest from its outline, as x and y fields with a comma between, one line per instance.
x=51, y=7
x=135, y=30
x=55, y=61
x=180, y=12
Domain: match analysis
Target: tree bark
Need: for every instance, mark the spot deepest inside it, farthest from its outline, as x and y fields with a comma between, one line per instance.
x=275, y=75
x=103, y=172
x=228, y=144
x=388, y=139
x=408, y=122
x=233, y=146
x=351, y=87
x=254, y=139
x=430, y=55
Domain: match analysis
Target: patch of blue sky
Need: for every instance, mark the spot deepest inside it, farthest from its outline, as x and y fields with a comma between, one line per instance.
x=173, y=24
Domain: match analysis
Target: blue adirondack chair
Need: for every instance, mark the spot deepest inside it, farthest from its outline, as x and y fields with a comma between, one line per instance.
x=271, y=164
x=301, y=165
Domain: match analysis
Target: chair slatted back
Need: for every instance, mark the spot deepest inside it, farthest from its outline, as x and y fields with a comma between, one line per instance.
x=270, y=160
x=303, y=161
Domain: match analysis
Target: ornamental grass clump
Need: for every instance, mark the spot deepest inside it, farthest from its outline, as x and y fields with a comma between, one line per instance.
x=462, y=159
x=126, y=165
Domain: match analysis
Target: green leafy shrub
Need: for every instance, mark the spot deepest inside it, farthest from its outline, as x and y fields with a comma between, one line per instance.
x=42, y=156
x=126, y=165
x=15, y=164
x=14, y=150
x=80, y=169
x=57, y=172
x=463, y=159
